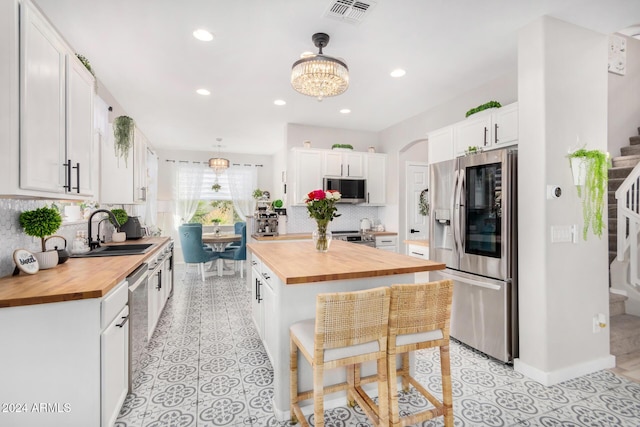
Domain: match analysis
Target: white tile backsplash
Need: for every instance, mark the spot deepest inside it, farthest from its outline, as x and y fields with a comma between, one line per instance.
x=13, y=237
x=349, y=219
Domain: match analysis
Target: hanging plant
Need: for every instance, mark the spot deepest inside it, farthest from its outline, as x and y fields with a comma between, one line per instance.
x=123, y=134
x=216, y=187
x=594, y=164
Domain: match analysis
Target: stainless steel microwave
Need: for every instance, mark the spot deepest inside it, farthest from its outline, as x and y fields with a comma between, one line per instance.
x=352, y=190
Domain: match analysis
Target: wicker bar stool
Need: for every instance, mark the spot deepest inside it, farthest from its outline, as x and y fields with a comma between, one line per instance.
x=349, y=328
x=419, y=318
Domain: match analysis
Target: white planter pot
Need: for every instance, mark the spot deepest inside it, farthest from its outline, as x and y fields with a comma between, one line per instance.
x=579, y=169
x=48, y=259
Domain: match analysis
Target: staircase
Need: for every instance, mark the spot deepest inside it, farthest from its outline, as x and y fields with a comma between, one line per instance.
x=625, y=328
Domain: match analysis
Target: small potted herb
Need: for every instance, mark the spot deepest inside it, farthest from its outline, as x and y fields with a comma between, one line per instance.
x=42, y=222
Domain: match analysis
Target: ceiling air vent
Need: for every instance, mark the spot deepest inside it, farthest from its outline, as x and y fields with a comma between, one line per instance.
x=352, y=11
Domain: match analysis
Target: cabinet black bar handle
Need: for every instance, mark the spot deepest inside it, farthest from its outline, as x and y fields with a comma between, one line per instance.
x=259, y=293
x=126, y=319
x=495, y=132
x=485, y=136
x=77, y=168
x=159, y=280
x=67, y=175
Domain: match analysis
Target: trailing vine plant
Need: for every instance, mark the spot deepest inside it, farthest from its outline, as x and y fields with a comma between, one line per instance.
x=87, y=65
x=123, y=134
x=595, y=189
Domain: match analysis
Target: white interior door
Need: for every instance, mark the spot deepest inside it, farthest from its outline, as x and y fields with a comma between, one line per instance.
x=417, y=180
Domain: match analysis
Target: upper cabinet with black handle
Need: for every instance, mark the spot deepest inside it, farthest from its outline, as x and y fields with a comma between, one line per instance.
x=47, y=136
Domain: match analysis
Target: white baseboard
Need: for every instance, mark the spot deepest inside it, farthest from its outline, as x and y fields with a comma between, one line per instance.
x=564, y=374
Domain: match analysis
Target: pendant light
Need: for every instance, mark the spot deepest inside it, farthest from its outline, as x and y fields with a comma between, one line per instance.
x=320, y=75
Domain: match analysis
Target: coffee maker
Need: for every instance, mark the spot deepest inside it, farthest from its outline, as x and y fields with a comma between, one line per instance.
x=265, y=222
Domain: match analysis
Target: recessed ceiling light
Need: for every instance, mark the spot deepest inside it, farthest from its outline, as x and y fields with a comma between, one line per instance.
x=398, y=72
x=280, y=102
x=203, y=92
x=203, y=35
x=345, y=111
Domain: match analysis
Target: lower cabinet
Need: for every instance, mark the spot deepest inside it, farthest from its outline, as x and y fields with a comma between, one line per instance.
x=418, y=251
x=114, y=366
x=387, y=243
x=65, y=363
x=263, y=304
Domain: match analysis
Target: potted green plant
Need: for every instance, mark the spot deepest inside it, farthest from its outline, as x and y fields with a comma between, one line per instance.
x=123, y=136
x=472, y=150
x=42, y=222
x=343, y=147
x=485, y=106
x=590, y=171
x=257, y=193
x=121, y=216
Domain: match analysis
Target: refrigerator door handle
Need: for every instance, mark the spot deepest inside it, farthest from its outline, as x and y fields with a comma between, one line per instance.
x=454, y=216
x=469, y=281
x=461, y=202
x=456, y=212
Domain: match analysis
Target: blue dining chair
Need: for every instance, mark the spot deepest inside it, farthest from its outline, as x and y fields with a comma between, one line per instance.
x=237, y=229
x=192, y=250
x=197, y=224
x=239, y=253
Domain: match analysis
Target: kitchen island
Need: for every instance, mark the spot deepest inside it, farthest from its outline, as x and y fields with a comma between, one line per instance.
x=287, y=276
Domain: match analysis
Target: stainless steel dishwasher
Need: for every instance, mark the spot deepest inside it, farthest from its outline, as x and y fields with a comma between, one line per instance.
x=138, y=318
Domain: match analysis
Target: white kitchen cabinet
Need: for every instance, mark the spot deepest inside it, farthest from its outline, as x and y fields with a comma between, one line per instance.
x=80, y=127
x=256, y=298
x=387, y=243
x=72, y=356
x=418, y=251
x=440, y=145
x=56, y=113
x=488, y=129
x=307, y=173
x=123, y=180
x=343, y=164
x=376, y=167
x=159, y=287
x=114, y=364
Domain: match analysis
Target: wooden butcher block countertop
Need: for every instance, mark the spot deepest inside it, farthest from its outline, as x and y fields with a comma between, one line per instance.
x=282, y=237
x=78, y=278
x=299, y=262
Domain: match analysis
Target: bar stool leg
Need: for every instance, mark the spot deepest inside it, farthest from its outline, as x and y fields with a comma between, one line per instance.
x=293, y=379
x=447, y=399
x=383, y=392
x=353, y=379
x=318, y=395
x=404, y=372
x=392, y=378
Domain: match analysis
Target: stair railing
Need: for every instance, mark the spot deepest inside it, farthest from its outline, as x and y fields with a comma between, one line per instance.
x=628, y=200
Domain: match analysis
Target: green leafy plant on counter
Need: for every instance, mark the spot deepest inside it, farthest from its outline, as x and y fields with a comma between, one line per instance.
x=593, y=195
x=257, y=193
x=490, y=104
x=41, y=222
x=121, y=216
x=345, y=146
x=277, y=204
x=123, y=134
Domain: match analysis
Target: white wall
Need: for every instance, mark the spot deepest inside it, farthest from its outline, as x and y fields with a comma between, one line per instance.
x=562, y=92
x=624, y=100
x=323, y=137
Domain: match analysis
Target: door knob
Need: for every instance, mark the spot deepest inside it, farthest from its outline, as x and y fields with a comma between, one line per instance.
x=414, y=231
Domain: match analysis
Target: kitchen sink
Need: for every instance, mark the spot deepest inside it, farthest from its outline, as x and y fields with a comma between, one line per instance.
x=133, y=249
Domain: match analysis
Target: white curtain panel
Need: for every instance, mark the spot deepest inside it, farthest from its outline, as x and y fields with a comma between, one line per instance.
x=187, y=189
x=242, y=181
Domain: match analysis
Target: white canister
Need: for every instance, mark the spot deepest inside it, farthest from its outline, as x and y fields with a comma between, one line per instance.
x=48, y=259
x=119, y=236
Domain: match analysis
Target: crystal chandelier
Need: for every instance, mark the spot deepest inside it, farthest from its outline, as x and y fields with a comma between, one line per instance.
x=320, y=75
x=218, y=164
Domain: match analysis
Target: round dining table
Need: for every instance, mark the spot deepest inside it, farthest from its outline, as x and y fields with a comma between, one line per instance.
x=220, y=241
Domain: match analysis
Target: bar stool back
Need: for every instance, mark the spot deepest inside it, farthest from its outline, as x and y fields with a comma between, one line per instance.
x=349, y=328
x=419, y=318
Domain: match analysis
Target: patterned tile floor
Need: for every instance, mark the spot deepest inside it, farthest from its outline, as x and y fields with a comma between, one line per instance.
x=206, y=367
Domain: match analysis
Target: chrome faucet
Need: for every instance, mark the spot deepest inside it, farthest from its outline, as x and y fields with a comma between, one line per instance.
x=96, y=243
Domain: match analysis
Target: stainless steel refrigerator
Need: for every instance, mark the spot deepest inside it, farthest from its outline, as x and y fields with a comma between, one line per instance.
x=473, y=230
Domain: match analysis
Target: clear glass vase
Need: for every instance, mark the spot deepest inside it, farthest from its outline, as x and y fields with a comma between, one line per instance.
x=322, y=238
